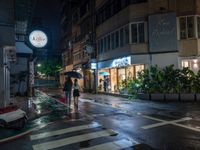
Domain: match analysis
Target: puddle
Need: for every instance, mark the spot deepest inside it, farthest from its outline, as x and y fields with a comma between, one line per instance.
x=85, y=144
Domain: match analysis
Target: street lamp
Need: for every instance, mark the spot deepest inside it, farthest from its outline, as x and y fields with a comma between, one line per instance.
x=39, y=65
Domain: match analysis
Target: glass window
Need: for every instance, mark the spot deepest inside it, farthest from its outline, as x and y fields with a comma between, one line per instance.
x=105, y=44
x=121, y=37
x=183, y=34
x=108, y=42
x=126, y=32
x=101, y=46
x=141, y=33
x=113, y=80
x=190, y=27
x=116, y=39
x=138, y=68
x=130, y=72
x=113, y=40
x=134, y=33
x=121, y=75
x=198, y=26
x=185, y=63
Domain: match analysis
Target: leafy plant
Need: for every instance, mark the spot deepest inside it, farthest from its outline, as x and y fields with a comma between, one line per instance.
x=196, y=83
x=156, y=79
x=49, y=67
x=144, y=79
x=123, y=86
x=186, y=77
x=133, y=86
x=170, y=79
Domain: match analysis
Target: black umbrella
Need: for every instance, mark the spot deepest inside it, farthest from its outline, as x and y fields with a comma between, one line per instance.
x=73, y=74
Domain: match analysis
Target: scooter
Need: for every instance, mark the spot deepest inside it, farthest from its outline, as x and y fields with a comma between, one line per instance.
x=12, y=117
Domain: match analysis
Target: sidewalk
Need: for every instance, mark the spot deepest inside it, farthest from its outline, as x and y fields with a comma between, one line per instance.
x=41, y=110
x=135, y=106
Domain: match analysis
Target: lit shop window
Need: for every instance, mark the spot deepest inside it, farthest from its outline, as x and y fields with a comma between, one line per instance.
x=185, y=64
x=195, y=64
x=192, y=64
x=138, y=68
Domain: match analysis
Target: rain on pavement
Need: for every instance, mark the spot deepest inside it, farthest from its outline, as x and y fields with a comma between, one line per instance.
x=131, y=125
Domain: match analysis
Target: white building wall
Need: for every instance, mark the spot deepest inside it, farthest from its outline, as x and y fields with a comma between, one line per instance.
x=165, y=59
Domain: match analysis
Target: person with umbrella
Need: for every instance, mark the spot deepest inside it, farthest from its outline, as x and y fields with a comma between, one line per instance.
x=68, y=89
x=76, y=94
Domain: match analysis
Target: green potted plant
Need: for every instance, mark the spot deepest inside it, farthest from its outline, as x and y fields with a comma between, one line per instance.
x=186, y=78
x=144, y=79
x=196, y=86
x=156, y=83
x=170, y=82
x=123, y=88
x=134, y=86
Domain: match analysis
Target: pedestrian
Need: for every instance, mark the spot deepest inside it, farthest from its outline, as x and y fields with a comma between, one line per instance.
x=68, y=90
x=108, y=84
x=105, y=84
x=76, y=94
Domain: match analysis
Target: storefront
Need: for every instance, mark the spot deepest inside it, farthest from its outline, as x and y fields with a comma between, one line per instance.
x=192, y=63
x=112, y=73
x=62, y=75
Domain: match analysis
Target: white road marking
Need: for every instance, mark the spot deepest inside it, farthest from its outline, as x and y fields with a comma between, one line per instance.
x=73, y=139
x=116, y=145
x=64, y=131
x=92, y=102
x=165, y=123
x=97, y=115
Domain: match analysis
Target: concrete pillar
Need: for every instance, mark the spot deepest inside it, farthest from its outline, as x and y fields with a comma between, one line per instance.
x=2, y=91
x=7, y=39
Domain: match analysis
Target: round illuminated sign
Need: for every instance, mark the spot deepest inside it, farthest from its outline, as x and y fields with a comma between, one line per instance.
x=38, y=38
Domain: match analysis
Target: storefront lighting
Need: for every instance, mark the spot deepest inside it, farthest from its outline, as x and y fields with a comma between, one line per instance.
x=195, y=60
x=195, y=66
x=78, y=70
x=122, y=62
x=185, y=63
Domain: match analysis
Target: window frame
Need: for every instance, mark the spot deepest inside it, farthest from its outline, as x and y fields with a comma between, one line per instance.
x=195, y=30
x=138, y=33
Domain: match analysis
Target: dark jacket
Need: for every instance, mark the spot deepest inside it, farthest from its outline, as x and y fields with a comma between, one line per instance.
x=68, y=86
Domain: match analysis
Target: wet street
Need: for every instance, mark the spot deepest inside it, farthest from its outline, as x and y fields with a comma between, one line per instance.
x=138, y=125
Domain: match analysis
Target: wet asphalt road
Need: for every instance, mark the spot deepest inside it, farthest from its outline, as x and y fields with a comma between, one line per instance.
x=147, y=125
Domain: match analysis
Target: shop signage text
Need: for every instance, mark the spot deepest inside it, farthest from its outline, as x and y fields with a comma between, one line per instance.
x=38, y=38
x=93, y=65
x=121, y=62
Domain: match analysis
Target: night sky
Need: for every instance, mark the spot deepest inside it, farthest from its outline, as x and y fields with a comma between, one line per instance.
x=48, y=12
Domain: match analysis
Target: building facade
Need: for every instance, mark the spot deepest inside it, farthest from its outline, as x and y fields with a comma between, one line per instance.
x=7, y=47
x=130, y=35
x=78, y=30
x=134, y=34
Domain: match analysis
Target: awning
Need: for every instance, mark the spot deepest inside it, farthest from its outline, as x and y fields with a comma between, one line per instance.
x=21, y=47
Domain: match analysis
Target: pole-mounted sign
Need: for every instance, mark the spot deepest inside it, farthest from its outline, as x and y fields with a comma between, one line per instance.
x=38, y=38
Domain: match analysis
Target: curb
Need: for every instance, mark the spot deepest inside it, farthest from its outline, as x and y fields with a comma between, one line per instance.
x=22, y=134
x=11, y=138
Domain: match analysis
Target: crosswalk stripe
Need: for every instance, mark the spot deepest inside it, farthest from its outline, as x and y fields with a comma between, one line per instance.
x=116, y=145
x=73, y=139
x=64, y=131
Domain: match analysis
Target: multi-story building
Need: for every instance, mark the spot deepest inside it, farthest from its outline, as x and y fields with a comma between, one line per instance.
x=134, y=34
x=78, y=27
